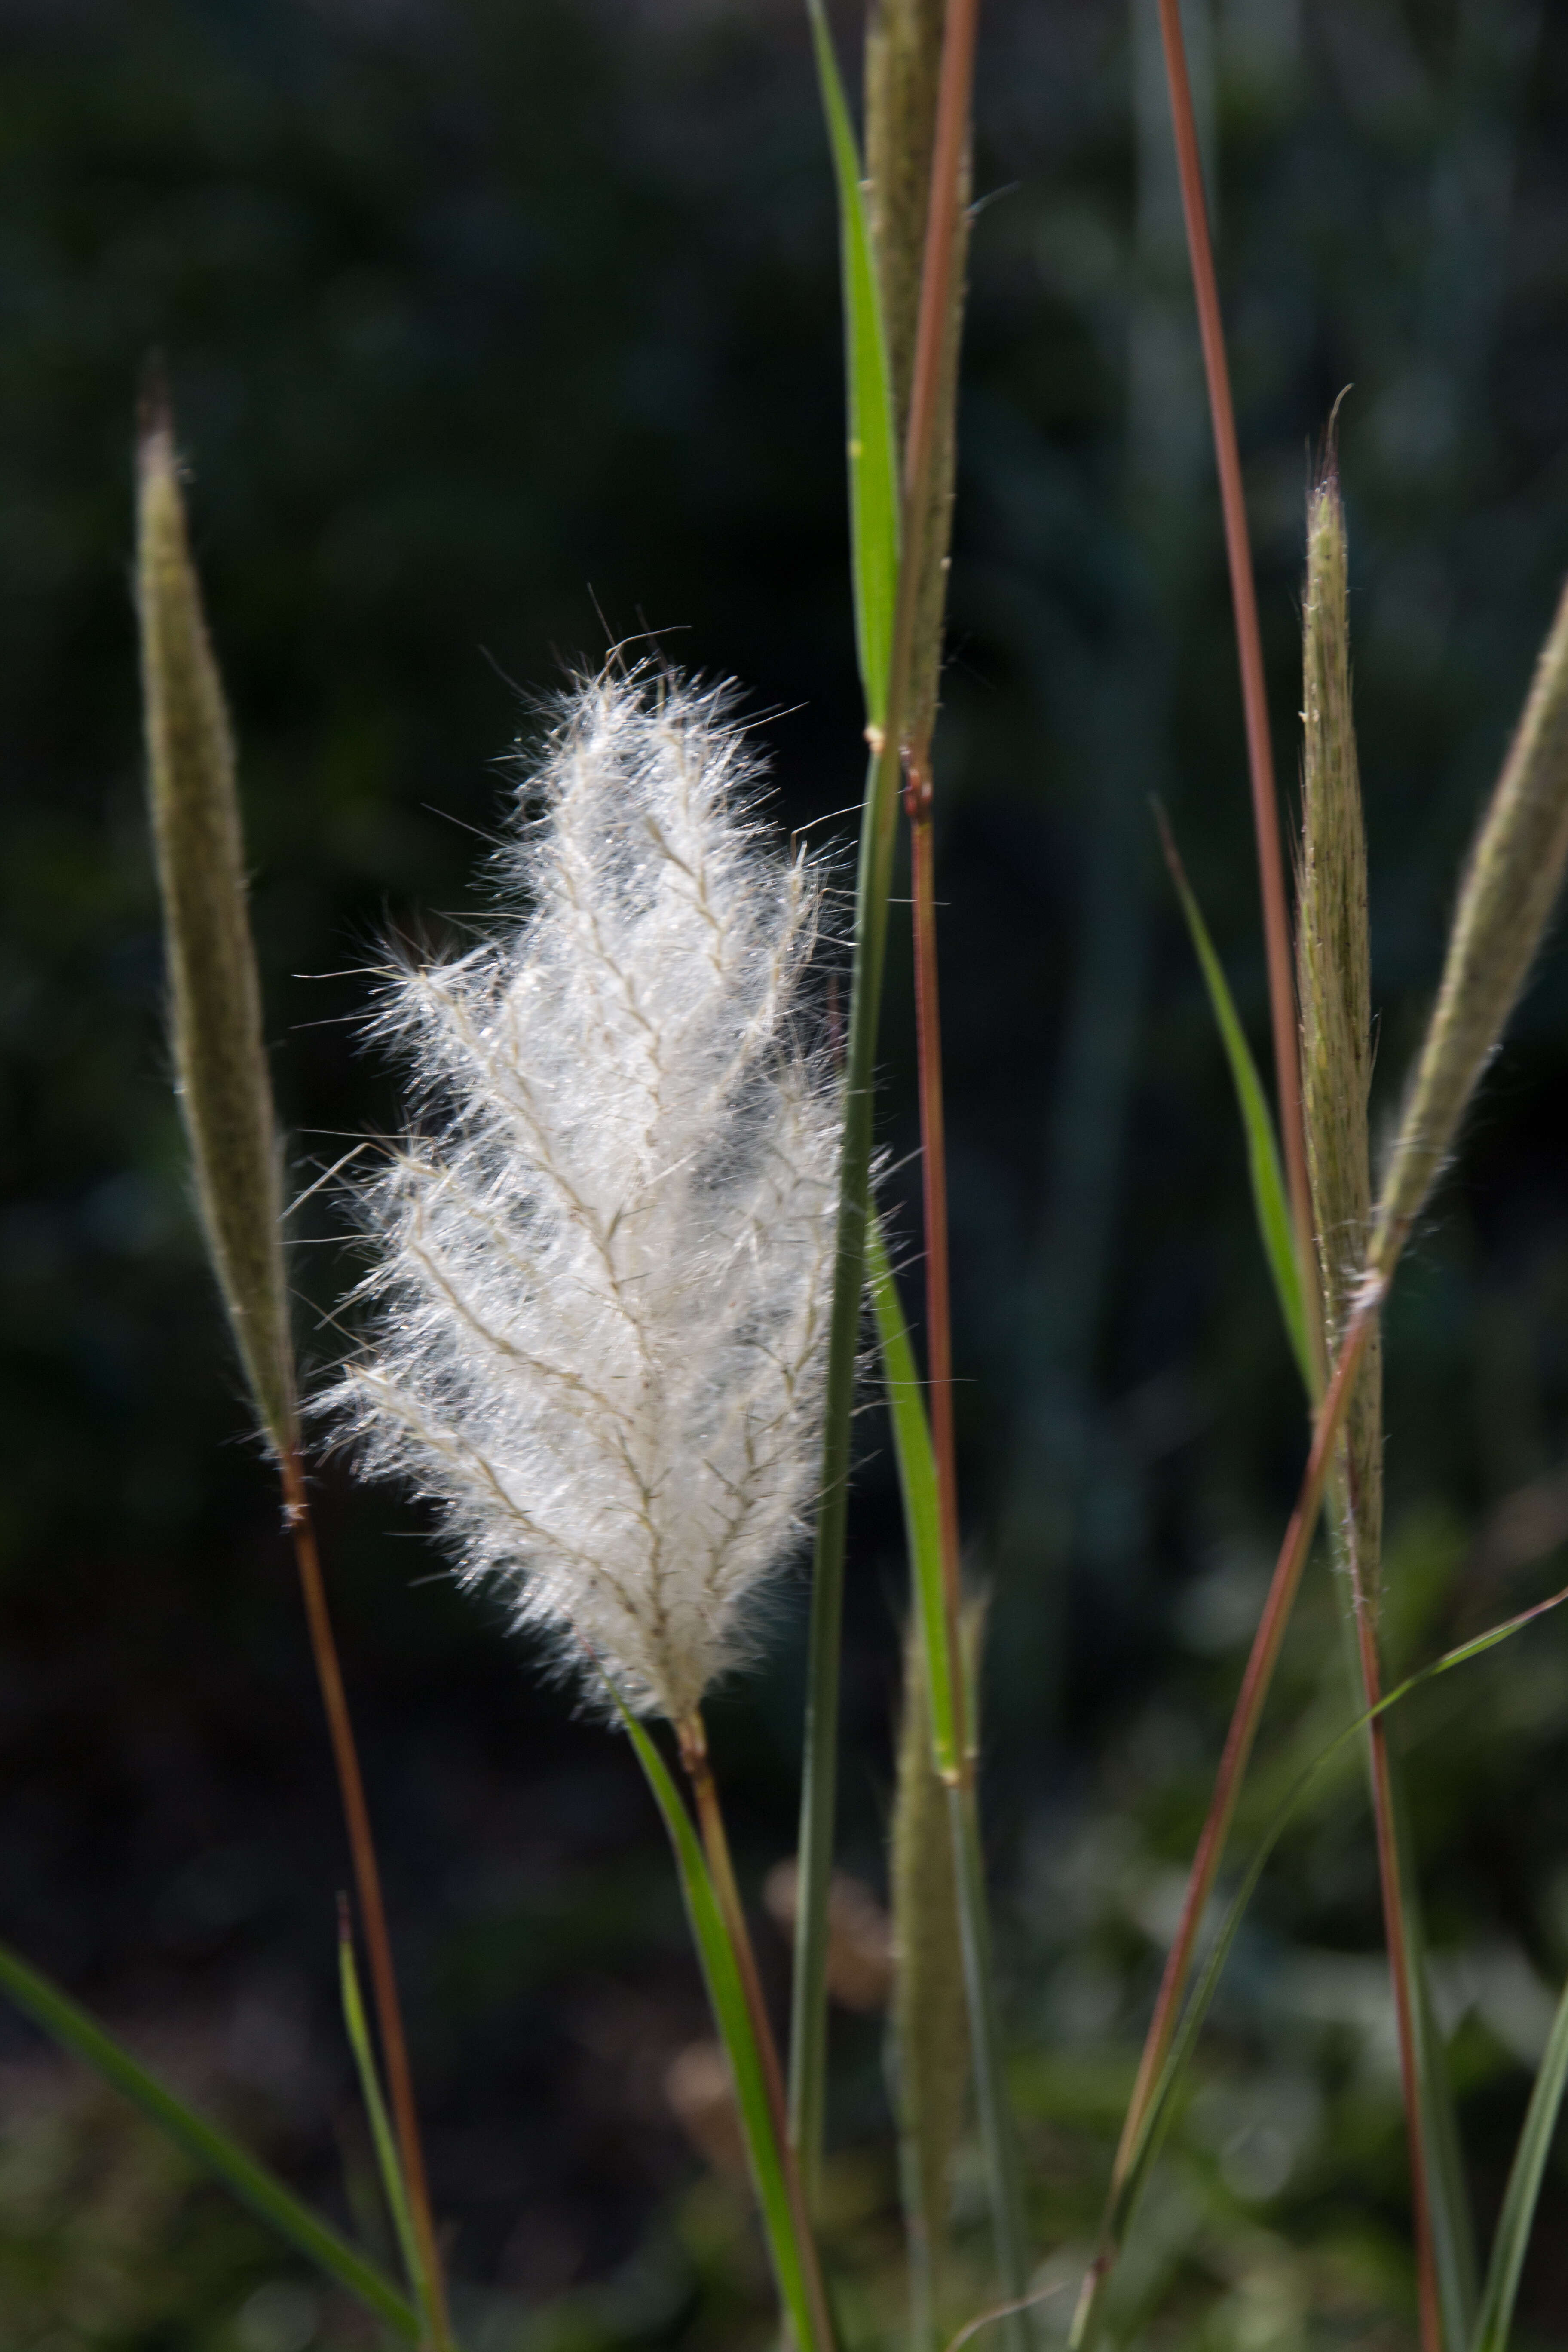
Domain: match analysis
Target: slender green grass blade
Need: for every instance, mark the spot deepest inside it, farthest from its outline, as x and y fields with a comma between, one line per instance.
x=917, y=1482
x=381, y=2131
x=1269, y=1200
x=997, y=2134
x=873, y=448
x=875, y=532
x=917, y=1478
x=1448, y=2196
x=725, y=1992
x=69, y=2025
x=1122, y=2207
x=1514, y=2223
x=929, y=2013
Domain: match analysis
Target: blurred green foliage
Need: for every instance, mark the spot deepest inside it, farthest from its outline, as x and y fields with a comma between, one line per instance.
x=497, y=334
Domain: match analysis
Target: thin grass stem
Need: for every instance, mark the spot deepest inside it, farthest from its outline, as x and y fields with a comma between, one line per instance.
x=367, y=1884
x=693, y=1738
x=382, y=2139
x=918, y=802
x=1238, y=1745
x=996, y=2131
x=997, y=2136
x=1282, y=1007
x=808, y=2036
x=1401, y=1936
x=1122, y=2201
x=1248, y=642
x=808, y=2022
x=952, y=1740
x=1396, y=1929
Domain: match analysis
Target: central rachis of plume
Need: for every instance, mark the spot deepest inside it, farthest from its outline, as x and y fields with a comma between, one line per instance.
x=604, y=1261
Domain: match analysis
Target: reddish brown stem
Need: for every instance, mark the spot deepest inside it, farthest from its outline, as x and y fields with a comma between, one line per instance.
x=938, y=295
x=933, y=1163
x=953, y=95
x=693, y=1739
x=1244, y=1723
x=367, y=1882
x=1282, y=1007
x=1248, y=642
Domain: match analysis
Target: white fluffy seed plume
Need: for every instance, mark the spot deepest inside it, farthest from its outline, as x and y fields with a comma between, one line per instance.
x=603, y=1276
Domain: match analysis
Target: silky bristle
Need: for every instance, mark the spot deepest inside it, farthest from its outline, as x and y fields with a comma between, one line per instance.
x=604, y=1261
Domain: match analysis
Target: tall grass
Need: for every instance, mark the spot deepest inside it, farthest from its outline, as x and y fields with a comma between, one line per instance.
x=612, y=1313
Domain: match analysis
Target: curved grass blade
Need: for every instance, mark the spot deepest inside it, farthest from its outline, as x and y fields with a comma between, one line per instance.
x=1514, y=2223
x=381, y=2132
x=873, y=445
x=917, y=1483
x=69, y=2025
x=727, y=1996
x=1269, y=1202
x=1123, y=2206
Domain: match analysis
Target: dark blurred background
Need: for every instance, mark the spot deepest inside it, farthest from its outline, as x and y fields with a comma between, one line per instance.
x=499, y=332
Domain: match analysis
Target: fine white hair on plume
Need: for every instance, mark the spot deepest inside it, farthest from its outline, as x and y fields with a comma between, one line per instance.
x=603, y=1263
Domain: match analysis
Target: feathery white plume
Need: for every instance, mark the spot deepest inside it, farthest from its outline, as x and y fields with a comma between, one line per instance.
x=603, y=1265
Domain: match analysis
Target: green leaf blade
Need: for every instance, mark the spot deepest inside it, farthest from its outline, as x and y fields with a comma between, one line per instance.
x=1269, y=1200
x=74, y=2029
x=382, y=2135
x=917, y=1482
x=1517, y=2219
x=875, y=530
x=873, y=449
x=727, y=1996
x=1453, y=2224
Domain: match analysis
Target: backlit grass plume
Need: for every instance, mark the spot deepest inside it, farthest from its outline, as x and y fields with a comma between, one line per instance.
x=602, y=1288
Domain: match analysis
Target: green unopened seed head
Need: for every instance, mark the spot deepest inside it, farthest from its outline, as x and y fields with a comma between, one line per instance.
x=214, y=996
x=1507, y=895
x=1334, y=985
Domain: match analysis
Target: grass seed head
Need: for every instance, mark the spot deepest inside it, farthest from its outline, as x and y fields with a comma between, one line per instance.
x=213, y=996
x=1505, y=900
x=1335, y=988
x=603, y=1259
